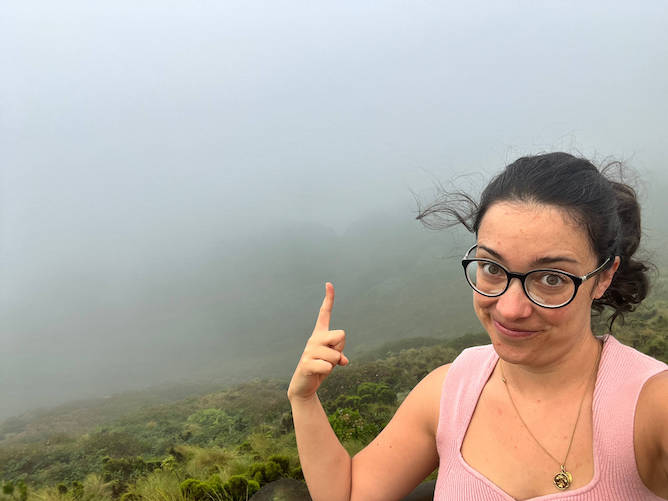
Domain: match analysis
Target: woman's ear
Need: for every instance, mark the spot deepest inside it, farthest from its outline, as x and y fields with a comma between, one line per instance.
x=605, y=278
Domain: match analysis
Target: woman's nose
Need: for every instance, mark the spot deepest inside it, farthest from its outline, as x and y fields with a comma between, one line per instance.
x=514, y=303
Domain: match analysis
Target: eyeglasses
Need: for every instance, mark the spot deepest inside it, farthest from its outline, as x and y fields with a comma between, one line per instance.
x=547, y=287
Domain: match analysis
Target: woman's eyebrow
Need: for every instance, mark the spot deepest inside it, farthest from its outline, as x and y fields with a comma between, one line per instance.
x=555, y=259
x=491, y=251
x=540, y=261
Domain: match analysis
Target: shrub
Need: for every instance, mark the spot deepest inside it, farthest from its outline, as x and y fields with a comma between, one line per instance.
x=193, y=489
x=77, y=490
x=18, y=490
x=159, y=485
x=287, y=423
x=23, y=490
x=350, y=401
x=283, y=462
x=8, y=488
x=376, y=393
x=111, y=443
x=297, y=473
x=239, y=488
x=95, y=488
x=348, y=424
x=168, y=463
x=204, y=462
x=263, y=473
x=130, y=496
x=124, y=471
x=214, y=489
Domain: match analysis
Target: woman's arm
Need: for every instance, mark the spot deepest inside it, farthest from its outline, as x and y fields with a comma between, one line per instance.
x=394, y=463
x=398, y=459
x=325, y=463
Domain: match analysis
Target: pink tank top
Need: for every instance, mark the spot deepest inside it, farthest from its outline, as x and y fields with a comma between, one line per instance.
x=622, y=373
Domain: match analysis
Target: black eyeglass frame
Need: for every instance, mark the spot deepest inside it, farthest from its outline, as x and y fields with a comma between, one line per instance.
x=577, y=280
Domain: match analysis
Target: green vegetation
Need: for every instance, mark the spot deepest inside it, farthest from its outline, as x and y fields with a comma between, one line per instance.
x=646, y=329
x=226, y=445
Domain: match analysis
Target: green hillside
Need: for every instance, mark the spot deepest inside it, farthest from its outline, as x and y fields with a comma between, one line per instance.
x=227, y=443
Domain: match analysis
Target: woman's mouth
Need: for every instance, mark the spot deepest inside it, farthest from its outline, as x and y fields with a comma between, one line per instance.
x=512, y=332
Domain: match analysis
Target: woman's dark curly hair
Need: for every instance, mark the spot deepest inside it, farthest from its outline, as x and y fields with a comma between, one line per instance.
x=607, y=208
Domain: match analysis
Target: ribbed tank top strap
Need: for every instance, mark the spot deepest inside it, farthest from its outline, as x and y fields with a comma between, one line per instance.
x=462, y=387
x=621, y=376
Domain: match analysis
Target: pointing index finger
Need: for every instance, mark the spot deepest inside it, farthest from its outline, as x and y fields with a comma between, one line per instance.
x=325, y=314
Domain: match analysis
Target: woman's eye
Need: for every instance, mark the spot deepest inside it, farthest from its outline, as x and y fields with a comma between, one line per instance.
x=491, y=269
x=552, y=279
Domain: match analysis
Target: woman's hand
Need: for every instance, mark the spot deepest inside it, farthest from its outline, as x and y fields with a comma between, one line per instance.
x=323, y=351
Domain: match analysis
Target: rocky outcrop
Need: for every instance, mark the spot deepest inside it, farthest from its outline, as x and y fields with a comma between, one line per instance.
x=287, y=489
x=284, y=489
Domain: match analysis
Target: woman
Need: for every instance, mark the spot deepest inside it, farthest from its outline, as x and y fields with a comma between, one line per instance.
x=547, y=410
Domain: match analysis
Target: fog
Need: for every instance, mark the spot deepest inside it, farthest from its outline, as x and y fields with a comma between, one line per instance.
x=179, y=179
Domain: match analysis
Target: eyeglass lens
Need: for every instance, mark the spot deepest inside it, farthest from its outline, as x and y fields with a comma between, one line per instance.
x=549, y=288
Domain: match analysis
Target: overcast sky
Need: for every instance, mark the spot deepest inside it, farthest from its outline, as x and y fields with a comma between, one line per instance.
x=139, y=136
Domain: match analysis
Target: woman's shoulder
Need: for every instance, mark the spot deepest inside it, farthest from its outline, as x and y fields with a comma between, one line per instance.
x=652, y=407
x=428, y=393
x=433, y=382
x=655, y=393
x=653, y=402
x=645, y=380
x=430, y=389
x=483, y=350
x=651, y=434
x=474, y=361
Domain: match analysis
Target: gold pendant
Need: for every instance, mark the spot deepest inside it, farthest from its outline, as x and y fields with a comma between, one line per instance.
x=563, y=479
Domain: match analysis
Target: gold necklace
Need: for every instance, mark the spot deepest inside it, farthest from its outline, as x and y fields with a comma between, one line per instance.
x=563, y=479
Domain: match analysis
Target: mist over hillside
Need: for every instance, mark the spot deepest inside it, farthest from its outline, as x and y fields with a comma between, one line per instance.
x=178, y=180
x=243, y=310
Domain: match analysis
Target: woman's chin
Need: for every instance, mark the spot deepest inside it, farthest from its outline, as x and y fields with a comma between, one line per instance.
x=514, y=347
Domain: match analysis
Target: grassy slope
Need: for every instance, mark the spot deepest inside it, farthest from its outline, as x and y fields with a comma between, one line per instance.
x=245, y=423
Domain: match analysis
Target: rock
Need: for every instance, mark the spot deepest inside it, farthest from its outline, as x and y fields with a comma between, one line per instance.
x=423, y=492
x=287, y=489
x=284, y=489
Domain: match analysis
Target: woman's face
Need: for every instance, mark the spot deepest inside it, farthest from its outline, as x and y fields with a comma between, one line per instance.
x=522, y=237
